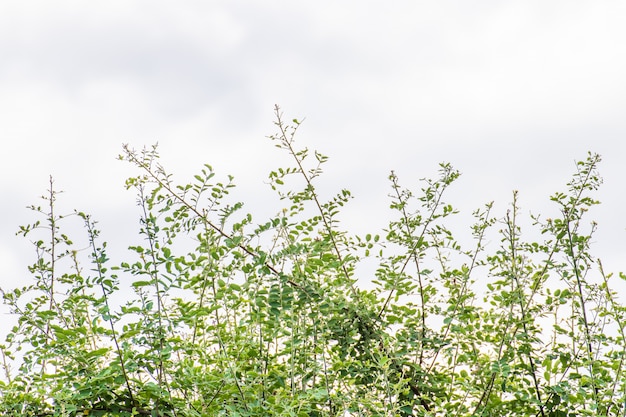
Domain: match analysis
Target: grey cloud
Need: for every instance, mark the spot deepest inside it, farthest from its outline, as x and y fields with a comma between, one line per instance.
x=499, y=90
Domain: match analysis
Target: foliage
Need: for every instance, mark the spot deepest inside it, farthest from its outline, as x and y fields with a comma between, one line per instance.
x=234, y=318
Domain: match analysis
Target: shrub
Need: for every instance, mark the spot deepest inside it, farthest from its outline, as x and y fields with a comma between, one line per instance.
x=233, y=317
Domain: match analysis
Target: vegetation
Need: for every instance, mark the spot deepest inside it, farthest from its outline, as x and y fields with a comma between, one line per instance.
x=229, y=317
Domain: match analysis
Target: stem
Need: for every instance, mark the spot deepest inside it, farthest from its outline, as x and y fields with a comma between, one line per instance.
x=512, y=225
x=583, y=311
x=99, y=265
x=418, y=242
x=329, y=229
x=53, y=230
x=151, y=234
x=620, y=324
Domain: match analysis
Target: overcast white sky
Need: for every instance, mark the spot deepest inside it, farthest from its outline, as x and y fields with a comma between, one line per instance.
x=510, y=92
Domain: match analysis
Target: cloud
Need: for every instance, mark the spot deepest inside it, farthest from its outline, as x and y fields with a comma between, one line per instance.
x=510, y=92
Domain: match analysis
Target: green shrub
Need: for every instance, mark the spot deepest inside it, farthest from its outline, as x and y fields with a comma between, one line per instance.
x=237, y=318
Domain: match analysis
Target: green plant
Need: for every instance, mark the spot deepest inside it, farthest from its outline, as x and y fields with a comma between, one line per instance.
x=233, y=317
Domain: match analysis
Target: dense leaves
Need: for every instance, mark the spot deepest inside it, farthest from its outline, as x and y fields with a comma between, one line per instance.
x=217, y=314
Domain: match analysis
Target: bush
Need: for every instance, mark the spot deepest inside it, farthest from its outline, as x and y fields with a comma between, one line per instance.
x=231, y=317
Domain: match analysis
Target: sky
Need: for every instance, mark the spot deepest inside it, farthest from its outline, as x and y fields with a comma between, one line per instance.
x=511, y=93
